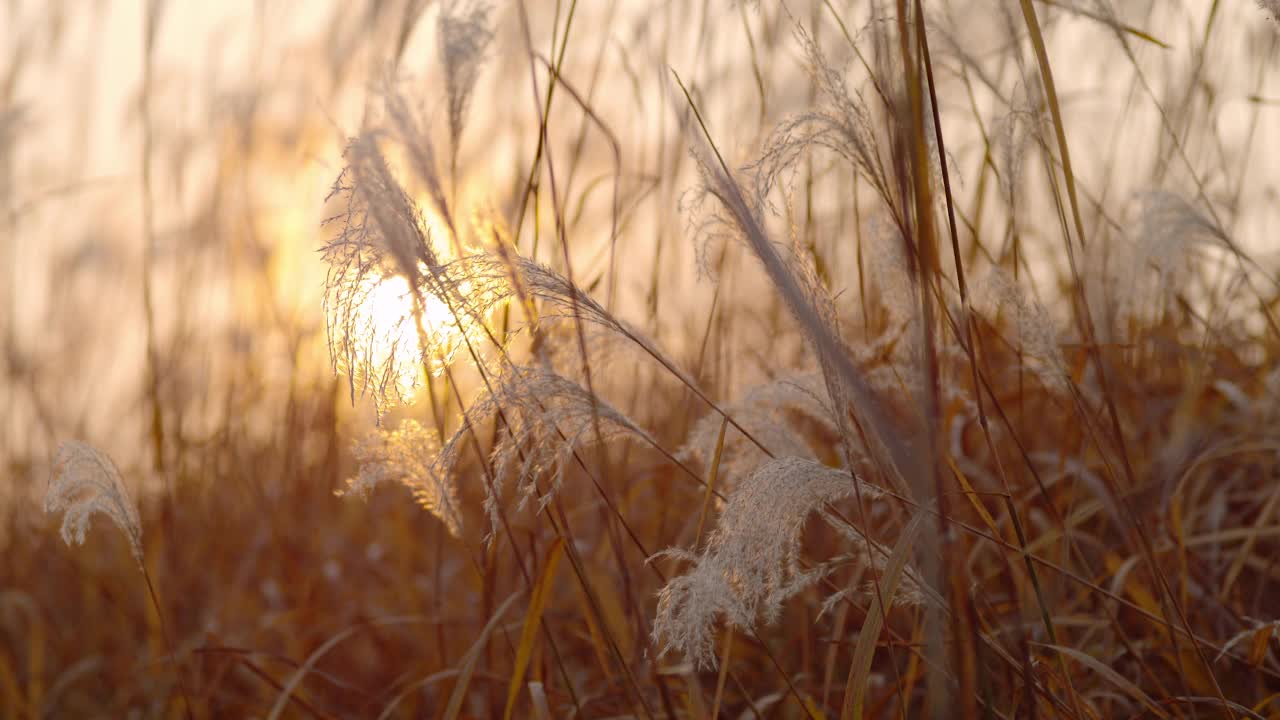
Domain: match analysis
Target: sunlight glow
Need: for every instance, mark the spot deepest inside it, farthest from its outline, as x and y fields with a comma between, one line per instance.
x=385, y=322
x=389, y=337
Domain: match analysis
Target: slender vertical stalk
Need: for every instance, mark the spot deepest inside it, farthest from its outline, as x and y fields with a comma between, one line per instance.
x=151, y=21
x=935, y=562
x=8, y=260
x=168, y=639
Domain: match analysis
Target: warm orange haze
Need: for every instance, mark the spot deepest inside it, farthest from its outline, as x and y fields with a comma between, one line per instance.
x=638, y=359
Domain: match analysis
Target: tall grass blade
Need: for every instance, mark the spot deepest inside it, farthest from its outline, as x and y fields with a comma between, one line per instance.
x=468, y=665
x=856, y=687
x=532, y=620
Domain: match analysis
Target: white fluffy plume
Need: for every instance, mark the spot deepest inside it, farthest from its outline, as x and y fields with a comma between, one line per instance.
x=85, y=481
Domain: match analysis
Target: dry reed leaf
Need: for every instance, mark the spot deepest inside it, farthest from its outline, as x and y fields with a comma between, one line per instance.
x=468, y=665
x=1113, y=677
x=973, y=497
x=538, y=697
x=882, y=601
x=295, y=679
x=532, y=621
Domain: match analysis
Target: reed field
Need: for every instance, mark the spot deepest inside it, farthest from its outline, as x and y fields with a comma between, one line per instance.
x=640, y=359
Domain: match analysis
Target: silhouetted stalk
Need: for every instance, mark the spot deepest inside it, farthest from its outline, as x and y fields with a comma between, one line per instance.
x=151, y=21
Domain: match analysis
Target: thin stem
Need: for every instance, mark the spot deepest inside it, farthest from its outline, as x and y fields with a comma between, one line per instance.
x=168, y=640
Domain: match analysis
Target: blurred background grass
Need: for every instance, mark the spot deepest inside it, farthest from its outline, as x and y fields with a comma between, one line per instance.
x=241, y=129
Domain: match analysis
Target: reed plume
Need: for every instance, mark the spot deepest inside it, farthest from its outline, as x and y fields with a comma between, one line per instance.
x=85, y=482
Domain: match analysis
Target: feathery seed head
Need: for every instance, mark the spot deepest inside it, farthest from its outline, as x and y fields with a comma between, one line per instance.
x=749, y=566
x=1036, y=330
x=85, y=481
x=771, y=412
x=394, y=307
x=547, y=418
x=465, y=35
x=407, y=455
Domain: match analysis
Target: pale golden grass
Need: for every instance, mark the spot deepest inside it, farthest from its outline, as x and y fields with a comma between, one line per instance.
x=979, y=419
